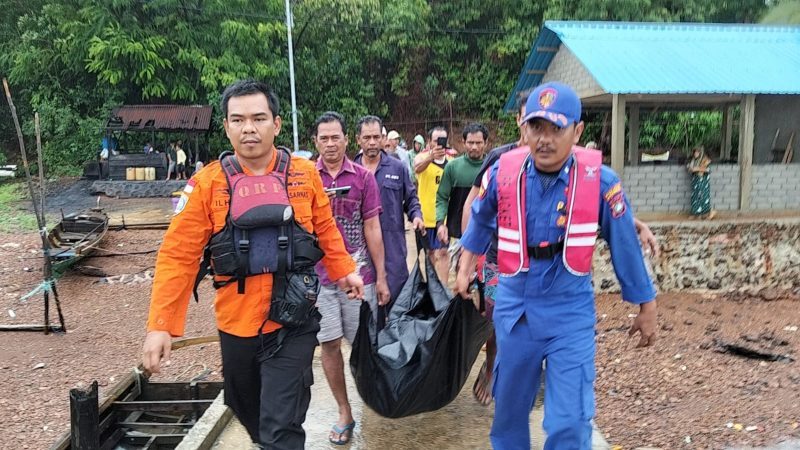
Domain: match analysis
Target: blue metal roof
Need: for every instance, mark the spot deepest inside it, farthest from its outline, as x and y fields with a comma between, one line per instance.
x=673, y=58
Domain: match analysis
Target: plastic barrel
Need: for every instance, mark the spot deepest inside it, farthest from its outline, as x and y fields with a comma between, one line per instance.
x=150, y=174
x=130, y=173
x=140, y=174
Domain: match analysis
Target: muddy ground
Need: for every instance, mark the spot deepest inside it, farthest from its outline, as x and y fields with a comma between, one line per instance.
x=682, y=393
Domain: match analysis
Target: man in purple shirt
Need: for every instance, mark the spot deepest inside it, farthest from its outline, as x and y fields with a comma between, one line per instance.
x=356, y=205
x=398, y=197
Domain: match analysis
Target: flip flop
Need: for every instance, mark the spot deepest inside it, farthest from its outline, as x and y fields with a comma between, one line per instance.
x=341, y=432
x=487, y=386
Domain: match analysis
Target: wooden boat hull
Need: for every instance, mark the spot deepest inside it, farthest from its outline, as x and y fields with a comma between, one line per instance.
x=139, y=414
x=75, y=237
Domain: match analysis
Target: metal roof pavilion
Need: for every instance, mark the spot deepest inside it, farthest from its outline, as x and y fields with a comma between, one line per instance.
x=187, y=118
x=672, y=58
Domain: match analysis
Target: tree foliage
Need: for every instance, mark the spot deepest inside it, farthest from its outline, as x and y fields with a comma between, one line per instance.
x=783, y=13
x=414, y=62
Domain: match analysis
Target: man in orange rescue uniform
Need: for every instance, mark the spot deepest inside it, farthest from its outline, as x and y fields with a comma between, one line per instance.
x=267, y=376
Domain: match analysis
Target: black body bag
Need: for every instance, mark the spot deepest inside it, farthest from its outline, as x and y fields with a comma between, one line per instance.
x=422, y=357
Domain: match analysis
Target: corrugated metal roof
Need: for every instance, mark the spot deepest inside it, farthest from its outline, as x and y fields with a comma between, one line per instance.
x=674, y=58
x=160, y=117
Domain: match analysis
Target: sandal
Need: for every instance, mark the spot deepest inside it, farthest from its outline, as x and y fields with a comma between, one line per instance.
x=483, y=382
x=345, y=433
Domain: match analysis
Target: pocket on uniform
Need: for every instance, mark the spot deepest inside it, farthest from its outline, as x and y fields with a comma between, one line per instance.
x=587, y=391
x=394, y=185
x=303, y=396
x=224, y=260
x=296, y=304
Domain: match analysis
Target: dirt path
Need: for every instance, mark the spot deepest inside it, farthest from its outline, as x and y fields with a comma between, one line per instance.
x=683, y=393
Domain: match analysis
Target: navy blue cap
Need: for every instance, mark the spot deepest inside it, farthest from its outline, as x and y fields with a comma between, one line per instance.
x=554, y=102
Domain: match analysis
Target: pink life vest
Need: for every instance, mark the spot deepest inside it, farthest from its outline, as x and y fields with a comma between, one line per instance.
x=582, y=210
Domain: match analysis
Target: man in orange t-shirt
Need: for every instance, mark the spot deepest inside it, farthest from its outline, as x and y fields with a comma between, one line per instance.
x=267, y=380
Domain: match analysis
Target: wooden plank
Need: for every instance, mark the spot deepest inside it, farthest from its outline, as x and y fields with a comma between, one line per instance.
x=536, y=72
x=775, y=139
x=162, y=406
x=207, y=390
x=127, y=385
x=29, y=327
x=633, y=136
x=787, y=154
x=105, y=423
x=547, y=49
x=154, y=441
x=727, y=133
x=113, y=439
x=618, y=133
x=746, y=143
x=158, y=425
x=206, y=431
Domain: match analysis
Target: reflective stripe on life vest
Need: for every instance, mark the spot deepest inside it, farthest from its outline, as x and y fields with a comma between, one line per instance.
x=583, y=210
x=512, y=247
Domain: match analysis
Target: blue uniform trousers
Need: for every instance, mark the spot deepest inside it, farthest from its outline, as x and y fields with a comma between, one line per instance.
x=568, y=394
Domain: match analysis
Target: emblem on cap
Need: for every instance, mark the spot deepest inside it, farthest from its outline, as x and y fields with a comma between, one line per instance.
x=547, y=97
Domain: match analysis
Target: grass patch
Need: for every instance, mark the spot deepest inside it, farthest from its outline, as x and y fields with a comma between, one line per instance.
x=14, y=213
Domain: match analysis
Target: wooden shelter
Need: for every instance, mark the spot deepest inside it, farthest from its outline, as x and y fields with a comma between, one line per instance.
x=163, y=123
x=626, y=68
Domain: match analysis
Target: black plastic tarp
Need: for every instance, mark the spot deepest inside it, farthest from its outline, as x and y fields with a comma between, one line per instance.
x=421, y=359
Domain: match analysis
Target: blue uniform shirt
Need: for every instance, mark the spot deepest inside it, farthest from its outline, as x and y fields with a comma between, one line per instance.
x=398, y=196
x=554, y=300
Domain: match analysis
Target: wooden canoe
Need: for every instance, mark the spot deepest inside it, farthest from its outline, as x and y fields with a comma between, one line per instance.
x=75, y=237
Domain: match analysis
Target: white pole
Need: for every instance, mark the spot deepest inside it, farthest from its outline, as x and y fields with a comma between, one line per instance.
x=289, y=23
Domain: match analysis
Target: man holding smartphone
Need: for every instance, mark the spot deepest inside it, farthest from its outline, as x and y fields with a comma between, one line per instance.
x=356, y=205
x=429, y=166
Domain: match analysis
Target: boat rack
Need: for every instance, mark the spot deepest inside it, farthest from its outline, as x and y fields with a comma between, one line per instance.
x=140, y=414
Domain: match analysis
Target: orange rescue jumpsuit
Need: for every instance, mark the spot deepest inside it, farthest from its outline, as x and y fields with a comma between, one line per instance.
x=205, y=209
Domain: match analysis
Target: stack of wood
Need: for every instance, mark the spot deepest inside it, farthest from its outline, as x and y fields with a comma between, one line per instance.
x=788, y=152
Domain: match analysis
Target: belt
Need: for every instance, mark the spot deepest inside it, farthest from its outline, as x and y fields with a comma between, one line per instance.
x=547, y=251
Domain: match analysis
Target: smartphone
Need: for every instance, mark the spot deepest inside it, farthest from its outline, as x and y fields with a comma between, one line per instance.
x=339, y=191
x=441, y=142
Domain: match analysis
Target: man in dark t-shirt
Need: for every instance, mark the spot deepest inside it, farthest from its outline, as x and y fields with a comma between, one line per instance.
x=487, y=265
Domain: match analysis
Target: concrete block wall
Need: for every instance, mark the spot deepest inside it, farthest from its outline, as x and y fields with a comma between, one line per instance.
x=775, y=186
x=567, y=69
x=667, y=188
x=657, y=188
x=725, y=187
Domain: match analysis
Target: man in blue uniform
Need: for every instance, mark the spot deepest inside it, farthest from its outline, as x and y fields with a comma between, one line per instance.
x=546, y=311
x=398, y=197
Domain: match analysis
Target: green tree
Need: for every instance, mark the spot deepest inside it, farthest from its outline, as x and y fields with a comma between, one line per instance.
x=76, y=59
x=414, y=62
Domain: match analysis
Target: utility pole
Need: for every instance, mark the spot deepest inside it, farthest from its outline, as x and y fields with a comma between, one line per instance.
x=289, y=23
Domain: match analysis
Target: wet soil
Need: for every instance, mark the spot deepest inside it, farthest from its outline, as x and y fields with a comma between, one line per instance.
x=686, y=391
